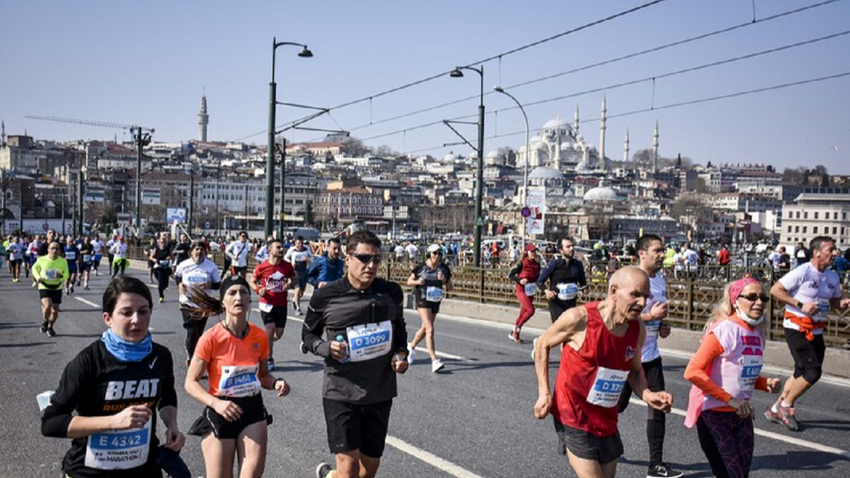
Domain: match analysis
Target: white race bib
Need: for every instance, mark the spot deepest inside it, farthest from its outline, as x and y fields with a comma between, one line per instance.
x=119, y=450
x=607, y=387
x=823, y=310
x=265, y=307
x=70, y=255
x=86, y=257
x=195, y=277
x=530, y=289
x=369, y=341
x=567, y=291
x=433, y=294
x=239, y=381
x=750, y=370
x=52, y=274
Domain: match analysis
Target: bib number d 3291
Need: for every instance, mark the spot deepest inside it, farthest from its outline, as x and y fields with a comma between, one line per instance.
x=607, y=387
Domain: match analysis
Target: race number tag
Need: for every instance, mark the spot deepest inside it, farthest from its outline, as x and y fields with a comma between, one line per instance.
x=195, y=277
x=433, y=294
x=264, y=307
x=567, y=291
x=369, y=341
x=750, y=370
x=164, y=263
x=86, y=257
x=823, y=310
x=239, y=381
x=530, y=289
x=119, y=450
x=607, y=386
x=52, y=274
x=70, y=255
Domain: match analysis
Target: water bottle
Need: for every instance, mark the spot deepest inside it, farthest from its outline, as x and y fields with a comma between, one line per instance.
x=345, y=358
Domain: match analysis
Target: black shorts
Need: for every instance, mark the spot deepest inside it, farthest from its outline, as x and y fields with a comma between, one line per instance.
x=210, y=421
x=424, y=304
x=654, y=371
x=150, y=264
x=85, y=266
x=16, y=262
x=55, y=296
x=588, y=446
x=300, y=281
x=277, y=316
x=357, y=427
x=191, y=317
x=806, y=354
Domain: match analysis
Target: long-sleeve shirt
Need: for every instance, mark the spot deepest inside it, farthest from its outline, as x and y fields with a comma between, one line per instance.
x=324, y=269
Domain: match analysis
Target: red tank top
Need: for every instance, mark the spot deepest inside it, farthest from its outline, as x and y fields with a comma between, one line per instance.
x=530, y=270
x=591, y=379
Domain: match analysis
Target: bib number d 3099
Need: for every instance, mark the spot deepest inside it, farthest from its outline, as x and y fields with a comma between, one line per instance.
x=369, y=341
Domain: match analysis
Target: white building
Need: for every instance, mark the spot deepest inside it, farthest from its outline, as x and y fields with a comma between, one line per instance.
x=817, y=212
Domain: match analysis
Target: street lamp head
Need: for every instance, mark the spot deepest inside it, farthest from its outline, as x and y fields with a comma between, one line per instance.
x=305, y=52
x=498, y=89
x=456, y=73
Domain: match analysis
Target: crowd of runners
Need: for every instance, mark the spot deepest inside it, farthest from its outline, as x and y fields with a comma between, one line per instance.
x=110, y=395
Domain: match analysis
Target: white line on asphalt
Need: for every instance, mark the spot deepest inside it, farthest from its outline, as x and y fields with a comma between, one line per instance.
x=87, y=302
x=767, y=434
x=430, y=459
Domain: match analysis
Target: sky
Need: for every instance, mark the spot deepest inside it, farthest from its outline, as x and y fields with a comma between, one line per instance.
x=149, y=63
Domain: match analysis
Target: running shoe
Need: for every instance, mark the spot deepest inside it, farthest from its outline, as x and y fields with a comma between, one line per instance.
x=86, y=287
x=323, y=470
x=271, y=364
x=662, y=470
x=436, y=365
x=533, y=346
x=51, y=332
x=303, y=348
x=44, y=328
x=298, y=311
x=785, y=415
x=34, y=285
x=161, y=299
x=411, y=354
x=72, y=289
x=514, y=335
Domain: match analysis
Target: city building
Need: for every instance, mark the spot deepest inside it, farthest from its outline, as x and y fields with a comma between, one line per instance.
x=817, y=212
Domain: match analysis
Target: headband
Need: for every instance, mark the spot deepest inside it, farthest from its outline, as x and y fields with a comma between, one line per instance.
x=738, y=287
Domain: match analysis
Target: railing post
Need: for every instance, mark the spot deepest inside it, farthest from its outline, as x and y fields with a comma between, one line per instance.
x=690, y=299
x=481, y=285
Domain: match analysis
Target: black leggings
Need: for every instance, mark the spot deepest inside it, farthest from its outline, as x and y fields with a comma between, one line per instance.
x=162, y=275
x=194, y=329
x=656, y=420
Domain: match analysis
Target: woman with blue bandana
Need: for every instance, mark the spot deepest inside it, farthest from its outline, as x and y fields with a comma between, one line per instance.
x=110, y=393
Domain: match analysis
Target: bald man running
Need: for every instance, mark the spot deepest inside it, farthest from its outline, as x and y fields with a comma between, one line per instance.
x=603, y=344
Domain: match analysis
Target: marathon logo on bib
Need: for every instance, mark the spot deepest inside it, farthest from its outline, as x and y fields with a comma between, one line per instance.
x=433, y=294
x=530, y=289
x=195, y=278
x=369, y=341
x=607, y=387
x=70, y=255
x=164, y=263
x=52, y=274
x=239, y=381
x=119, y=450
x=567, y=291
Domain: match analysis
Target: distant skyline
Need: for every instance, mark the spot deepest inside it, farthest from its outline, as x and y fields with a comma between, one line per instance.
x=150, y=63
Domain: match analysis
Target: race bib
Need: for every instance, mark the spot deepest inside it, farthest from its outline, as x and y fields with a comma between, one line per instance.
x=164, y=263
x=86, y=257
x=369, y=341
x=530, y=289
x=52, y=274
x=239, y=381
x=823, y=310
x=567, y=291
x=433, y=294
x=750, y=370
x=265, y=307
x=196, y=277
x=70, y=255
x=607, y=387
x=119, y=450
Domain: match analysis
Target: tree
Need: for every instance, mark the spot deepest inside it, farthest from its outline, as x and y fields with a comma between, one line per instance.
x=354, y=147
x=385, y=151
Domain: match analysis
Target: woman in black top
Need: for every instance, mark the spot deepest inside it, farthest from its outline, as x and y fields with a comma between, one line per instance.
x=160, y=257
x=429, y=279
x=109, y=394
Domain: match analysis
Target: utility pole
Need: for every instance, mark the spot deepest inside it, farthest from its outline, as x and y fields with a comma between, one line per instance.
x=282, y=189
x=191, y=199
x=3, y=173
x=142, y=140
x=80, y=203
x=217, y=181
x=246, y=207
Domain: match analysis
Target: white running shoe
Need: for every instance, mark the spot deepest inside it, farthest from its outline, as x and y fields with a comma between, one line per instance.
x=436, y=365
x=411, y=354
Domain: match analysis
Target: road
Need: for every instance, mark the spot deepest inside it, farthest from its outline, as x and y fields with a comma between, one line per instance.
x=472, y=420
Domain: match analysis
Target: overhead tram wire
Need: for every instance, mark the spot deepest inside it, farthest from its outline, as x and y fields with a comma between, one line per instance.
x=485, y=60
x=609, y=61
x=628, y=83
x=677, y=105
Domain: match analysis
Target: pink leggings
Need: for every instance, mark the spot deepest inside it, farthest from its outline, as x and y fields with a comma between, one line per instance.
x=526, y=306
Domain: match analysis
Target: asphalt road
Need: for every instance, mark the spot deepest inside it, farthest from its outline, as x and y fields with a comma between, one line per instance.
x=474, y=419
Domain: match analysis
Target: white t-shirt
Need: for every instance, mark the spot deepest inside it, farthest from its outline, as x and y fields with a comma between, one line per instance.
x=299, y=259
x=658, y=290
x=97, y=246
x=773, y=259
x=238, y=251
x=190, y=273
x=806, y=284
x=680, y=261
x=411, y=251
x=692, y=258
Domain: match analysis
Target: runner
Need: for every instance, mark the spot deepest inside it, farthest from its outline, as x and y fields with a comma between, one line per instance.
x=97, y=246
x=118, y=251
x=650, y=251
x=50, y=272
x=16, y=257
x=197, y=271
x=327, y=267
x=86, y=255
x=429, y=279
x=525, y=274
x=181, y=252
x=270, y=281
x=72, y=255
x=724, y=372
x=359, y=380
x=566, y=276
x=110, y=256
x=602, y=351
x=149, y=252
x=109, y=395
x=809, y=292
x=300, y=257
x=161, y=257
x=238, y=252
x=32, y=255
x=234, y=422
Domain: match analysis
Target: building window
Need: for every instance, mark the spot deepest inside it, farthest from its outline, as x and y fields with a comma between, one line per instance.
x=796, y=228
x=815, y=228
x=798, y=214
x=789, y=228
x=805, y=214
x=805, y=229
x=816, y=214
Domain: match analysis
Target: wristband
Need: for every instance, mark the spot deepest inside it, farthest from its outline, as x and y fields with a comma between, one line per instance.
x=800, y=305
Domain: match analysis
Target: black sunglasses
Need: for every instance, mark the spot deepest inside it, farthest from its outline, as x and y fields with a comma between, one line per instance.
x=753, y=297
x=368, y=258
x=437, y=253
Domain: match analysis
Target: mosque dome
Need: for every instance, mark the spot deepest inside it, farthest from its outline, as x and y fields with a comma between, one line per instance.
x=452, y=157
x=602, y=193
x=582, y=166
x=493, y=154
x=557, y=123
x=545, y=173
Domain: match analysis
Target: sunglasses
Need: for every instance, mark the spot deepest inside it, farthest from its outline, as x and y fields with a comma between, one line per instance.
x=437, y=253
x=366, y=259
x=753, y=297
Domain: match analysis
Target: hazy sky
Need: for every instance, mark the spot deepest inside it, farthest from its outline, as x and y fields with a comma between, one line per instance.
x=149, y=63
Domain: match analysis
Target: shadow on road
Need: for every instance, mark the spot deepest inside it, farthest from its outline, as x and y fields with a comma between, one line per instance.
x=299, y=366
x=19, y=325
x=797, y=460
x=839, y=425
x=30, y=344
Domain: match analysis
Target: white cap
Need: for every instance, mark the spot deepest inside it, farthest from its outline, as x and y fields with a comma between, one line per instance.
x=435, y=248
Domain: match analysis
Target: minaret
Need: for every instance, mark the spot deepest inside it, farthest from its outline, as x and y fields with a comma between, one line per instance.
x=602, y=133
x=203, y=118
x=3, y=134
x=575, y=121
x=626, y=147
x=655, y=149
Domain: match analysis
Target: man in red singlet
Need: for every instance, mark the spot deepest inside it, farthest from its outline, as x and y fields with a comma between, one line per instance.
x=603, y=343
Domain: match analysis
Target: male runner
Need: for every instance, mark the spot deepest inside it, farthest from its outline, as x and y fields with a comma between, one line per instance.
x=566, y=276
x=270, y=281
x=238, y=251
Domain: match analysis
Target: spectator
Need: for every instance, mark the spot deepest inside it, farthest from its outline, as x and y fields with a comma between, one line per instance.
x=802, y=254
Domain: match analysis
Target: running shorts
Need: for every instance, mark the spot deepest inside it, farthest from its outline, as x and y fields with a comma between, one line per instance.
x=357, y=427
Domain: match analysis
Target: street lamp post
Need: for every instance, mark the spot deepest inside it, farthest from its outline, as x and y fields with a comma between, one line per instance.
x=269, y=222
x=479, y=191
x=525, y=166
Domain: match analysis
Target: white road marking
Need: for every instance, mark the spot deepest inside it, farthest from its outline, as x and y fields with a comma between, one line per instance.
x=87, y=302
x=430, y=458
x=444, y=354
x=767, y=434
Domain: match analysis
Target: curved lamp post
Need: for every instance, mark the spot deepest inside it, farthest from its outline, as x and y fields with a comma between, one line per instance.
x=269, y=220
x=501, y=90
